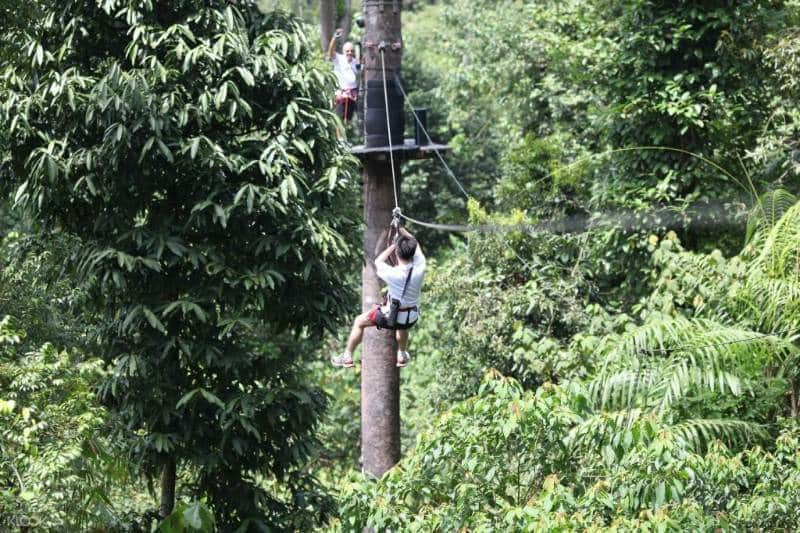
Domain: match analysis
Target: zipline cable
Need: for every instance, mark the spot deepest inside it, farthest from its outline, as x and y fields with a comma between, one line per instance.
x=464, y=228
x=694, y=215
x=430, y=141
x=699, y=157
x=456, y=228
x=461, y=228
x=485, y=228
x=388, y=126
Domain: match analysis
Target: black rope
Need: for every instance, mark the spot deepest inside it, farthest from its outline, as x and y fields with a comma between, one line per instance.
x=427, y=136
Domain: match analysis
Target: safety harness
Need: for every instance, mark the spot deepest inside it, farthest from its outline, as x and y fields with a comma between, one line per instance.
x=347, y=97
x=389, y=321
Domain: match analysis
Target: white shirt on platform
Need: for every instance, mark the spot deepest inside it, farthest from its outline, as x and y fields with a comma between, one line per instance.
x=346, y=72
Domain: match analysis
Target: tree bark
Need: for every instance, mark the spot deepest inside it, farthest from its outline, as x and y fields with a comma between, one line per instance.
x=380, y=377
x=168, y=475
x=345, y=19
x=327, y=21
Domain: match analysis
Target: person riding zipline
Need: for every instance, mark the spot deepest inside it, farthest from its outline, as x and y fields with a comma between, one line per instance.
x=400, y=310
x=346, y=67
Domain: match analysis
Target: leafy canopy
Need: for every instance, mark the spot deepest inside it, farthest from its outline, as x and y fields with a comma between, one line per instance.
x=187, y=145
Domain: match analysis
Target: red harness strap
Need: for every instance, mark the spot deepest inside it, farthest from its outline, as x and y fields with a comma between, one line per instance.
x=345, y=96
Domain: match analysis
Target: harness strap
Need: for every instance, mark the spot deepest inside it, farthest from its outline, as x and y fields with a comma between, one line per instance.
x=345, y=95
x=408, y=309
x=405, y=286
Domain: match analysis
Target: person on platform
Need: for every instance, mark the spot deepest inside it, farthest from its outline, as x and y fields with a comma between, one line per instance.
x=346, y=67
x=404, y=282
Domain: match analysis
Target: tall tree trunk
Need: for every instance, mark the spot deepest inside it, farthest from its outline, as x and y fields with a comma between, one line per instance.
x=380, y=378
x=327, y=21
x=168, y=474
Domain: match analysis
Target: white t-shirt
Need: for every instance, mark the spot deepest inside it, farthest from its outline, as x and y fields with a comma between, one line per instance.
x=345, y=71
x=395, y=278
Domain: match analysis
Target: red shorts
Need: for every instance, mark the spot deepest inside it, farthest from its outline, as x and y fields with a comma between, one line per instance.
x=373, y=315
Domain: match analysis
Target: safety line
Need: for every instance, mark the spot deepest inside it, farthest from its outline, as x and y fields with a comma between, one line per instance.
x=462, y=228
x=422, y=127
x=459, y=228
x=389, y=128
x=532, y=229
x=693, y=215
x=485, y=228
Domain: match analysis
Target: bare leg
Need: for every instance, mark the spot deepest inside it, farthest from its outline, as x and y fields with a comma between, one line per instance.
x=357, y=333
x=402, y=339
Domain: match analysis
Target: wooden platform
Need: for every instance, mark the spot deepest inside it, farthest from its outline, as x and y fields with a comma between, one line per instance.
x=408, y=150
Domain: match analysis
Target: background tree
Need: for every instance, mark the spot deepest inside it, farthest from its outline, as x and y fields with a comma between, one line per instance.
x=659, y=431
x=186, y=146
x=334, y=14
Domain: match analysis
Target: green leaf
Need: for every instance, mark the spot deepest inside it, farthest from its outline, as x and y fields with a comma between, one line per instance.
x=212, y=399
x=153, y=320
x=164, y=149
x=661, y=489
x=52, y=168
x=193, y=147
x=247, y=76
x=186, y=398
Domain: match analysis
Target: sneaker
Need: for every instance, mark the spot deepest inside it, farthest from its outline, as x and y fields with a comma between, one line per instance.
x=402, y=359
x=344, y=360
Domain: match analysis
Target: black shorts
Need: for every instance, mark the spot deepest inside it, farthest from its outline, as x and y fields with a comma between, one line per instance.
x=346, y=109
x=379, y=319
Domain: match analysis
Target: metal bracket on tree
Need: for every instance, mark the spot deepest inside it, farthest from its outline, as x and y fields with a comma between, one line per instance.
x=396, y=217
x=383, y=44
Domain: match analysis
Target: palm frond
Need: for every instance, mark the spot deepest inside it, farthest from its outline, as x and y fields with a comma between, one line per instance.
x=665, y=360
x=699, y=433
x=620, y=431
x=626, y=388
x=780, y=252
x=768, y=304
x=681, y=381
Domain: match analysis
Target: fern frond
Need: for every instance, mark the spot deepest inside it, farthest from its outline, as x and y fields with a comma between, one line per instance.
x=701, y=341
x=769, y=208
x=780, y=252
x=769, y=304
x=604, y=428
x=699, y=433
x=681, y=380
x=620, y=431
x=626, y=388
x=666, y=360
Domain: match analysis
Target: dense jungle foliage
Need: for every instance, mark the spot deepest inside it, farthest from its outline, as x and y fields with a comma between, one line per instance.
x=179, y=231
